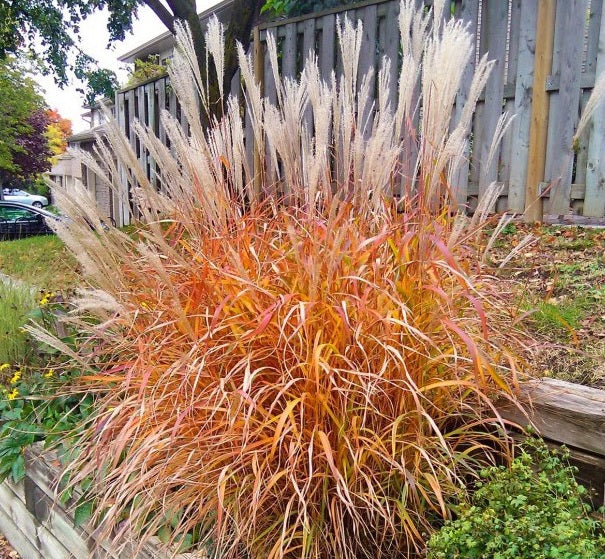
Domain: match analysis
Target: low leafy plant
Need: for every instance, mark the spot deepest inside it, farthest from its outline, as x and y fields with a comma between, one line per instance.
x=34, y=402
x=16, y=303
x=533, y=509
x=32, y=411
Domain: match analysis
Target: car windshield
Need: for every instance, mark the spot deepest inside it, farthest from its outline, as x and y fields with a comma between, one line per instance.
x=8, y=213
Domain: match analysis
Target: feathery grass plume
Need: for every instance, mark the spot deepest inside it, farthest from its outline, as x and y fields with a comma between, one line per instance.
x=306, y=371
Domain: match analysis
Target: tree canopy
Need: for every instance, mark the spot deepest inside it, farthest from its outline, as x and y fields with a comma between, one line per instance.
x=22, y=122
x=57, y=132
x=56, y=25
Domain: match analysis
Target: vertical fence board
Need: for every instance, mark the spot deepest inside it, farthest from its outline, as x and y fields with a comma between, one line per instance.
x=495, y=39
x=594, y=197
x=327, y=46
x=538, y=130
x=523, y=92
x=566, y=118
x=388, y=41
x=367, y=68
x=308, y=47
x=594, y=27
x=467, y=11
x=161, y=86
x=131, y=103
x=141, y=109
x=512, y=59
x=553, y=78
x=289, y=54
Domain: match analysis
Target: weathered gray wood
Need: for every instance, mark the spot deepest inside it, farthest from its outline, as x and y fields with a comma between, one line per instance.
x=328, y=45
x=594, y=201
x=592, y=39
x=129, y=128
x=494, y=32
x=388, y=42
x=512, y=55
x=16, y=537
x=564, y=412
x=523, y=94
x=308, y=48
x=40, y=527
x=141, y=116
x=308, y=38
x=565, y=118
x=161, y=89
x=468, y=11
x=513, y=41
x=366, y=71
x=289, y=63
x=46, y=544
x=582, y=144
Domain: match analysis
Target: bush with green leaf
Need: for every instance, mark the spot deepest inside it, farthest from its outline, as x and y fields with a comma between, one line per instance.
x=533, y=509
x=293, y=364
x=34, y=402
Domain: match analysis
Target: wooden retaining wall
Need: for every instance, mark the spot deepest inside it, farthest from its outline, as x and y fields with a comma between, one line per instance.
x=548, y=53
x=40, y=528
x=570, y=414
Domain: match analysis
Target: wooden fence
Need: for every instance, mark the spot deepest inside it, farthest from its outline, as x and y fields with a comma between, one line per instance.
x=547, y=55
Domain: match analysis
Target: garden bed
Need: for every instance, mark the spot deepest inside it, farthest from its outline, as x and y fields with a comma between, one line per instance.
x=39, y=527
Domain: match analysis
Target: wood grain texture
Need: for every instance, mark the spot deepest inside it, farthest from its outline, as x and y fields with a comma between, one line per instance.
x=538, y=131
x=565, y=111
x=467, y=11
x=523, y=105
x=594, y=201
x=494, y=33
x=563, y=412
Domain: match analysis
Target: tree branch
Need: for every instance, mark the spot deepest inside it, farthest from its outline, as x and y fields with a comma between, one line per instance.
x=162, y=12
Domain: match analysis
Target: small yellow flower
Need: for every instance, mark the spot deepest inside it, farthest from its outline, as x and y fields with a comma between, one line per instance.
x=16, y=377
x=50, y=373
x=13, y=394
x=5, y=366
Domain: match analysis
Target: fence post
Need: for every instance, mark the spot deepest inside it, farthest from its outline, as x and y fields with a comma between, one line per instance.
x=538, y=130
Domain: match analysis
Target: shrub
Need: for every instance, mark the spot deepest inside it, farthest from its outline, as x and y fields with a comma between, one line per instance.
x=532, y=510
x=297, y=366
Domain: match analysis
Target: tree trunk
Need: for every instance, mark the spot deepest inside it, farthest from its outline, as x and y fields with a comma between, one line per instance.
x=244, y=14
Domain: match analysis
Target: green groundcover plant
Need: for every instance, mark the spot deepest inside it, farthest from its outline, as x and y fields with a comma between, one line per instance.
x=533, y=510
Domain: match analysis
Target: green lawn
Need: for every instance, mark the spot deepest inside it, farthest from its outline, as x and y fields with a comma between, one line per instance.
x=42, y=262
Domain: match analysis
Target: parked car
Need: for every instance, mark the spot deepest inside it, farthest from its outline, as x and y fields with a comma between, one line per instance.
x=20, y=220
x=18, y=195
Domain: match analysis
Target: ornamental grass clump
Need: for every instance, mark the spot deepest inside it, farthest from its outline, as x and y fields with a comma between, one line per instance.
x=292, y=364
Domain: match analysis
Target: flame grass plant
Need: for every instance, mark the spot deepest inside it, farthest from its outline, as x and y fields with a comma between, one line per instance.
x=296, y=366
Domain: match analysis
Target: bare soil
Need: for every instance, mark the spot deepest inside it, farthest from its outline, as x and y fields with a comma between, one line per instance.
x=559, y=288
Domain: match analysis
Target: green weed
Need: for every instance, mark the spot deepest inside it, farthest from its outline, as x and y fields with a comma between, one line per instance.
x=16, y=302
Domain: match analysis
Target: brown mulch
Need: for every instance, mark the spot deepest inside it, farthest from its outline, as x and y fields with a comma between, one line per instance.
x=6, y=551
